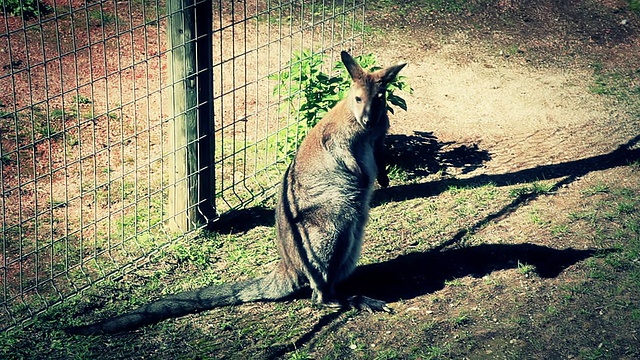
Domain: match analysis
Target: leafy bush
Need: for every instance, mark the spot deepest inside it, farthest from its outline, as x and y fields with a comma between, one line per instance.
x=310, y=93
x=24, y=8
x=634, y=5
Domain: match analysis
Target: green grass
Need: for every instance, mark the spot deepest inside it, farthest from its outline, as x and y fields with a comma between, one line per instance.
x=34, y=123
x=621, y=85
x=599, y=188
x=82, y=100
x=634, y=5
x=98, y=17
x=442, y=6
x=526, y=269
x=535, y=188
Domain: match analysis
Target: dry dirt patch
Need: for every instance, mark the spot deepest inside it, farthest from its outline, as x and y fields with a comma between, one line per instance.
x=524, y=116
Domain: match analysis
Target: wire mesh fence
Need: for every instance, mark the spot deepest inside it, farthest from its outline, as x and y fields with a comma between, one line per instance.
x=86, y=122
x=251, y=125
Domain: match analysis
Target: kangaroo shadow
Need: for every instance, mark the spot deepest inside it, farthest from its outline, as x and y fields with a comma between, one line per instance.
x=416, y=274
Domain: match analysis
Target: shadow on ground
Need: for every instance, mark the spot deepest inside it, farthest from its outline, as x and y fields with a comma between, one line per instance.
x=571, y=170
x=416, y=274
x=422, y=154
x=417, y=155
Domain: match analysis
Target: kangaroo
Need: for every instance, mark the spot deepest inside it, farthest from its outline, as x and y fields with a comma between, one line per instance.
x=322, y=209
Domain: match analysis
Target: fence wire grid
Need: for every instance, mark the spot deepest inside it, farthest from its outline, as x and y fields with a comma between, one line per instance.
x=86, y=116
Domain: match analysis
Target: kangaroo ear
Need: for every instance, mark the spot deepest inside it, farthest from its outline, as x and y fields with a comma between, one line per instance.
x=391, y=72
x=352, y=66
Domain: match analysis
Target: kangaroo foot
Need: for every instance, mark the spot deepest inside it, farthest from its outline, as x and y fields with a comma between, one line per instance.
x=361, y=302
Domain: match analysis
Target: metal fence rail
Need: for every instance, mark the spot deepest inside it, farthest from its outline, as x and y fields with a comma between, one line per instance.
x=85, y=119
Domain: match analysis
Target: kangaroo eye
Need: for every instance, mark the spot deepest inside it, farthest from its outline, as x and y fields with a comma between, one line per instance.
x=380, y=95
x=358, y=99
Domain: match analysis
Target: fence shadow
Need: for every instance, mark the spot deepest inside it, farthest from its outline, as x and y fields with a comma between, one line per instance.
x=571, y=170
x=422, y=154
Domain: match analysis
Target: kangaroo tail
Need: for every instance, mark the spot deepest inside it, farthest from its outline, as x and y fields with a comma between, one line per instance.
x=272, y=287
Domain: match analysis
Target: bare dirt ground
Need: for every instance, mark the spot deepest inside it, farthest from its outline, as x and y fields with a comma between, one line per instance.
x=517, y=178
x=515, y=78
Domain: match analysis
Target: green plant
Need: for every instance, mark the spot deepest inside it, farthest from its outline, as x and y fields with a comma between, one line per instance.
x=300, y=355
x=101, y=18
x=453, y=282
x=535, y=188
x=537, y=218
x=599, y=188
x=387, y=354
x=461, y=320
x=434, y=352
x=559, y=229
x=5, y=114
x=58, y=114
x=396, y=172
x=526, y=269
x=621, y=85
x=24, y=8
x=634, y=5
x=80, y=99
x=72, y=140
x=309, y=93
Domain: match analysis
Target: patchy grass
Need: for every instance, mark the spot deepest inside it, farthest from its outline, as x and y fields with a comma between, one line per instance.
x=490, y=292
x=622, y=85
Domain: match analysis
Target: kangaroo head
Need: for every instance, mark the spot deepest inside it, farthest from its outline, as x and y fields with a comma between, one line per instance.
x=367, y=97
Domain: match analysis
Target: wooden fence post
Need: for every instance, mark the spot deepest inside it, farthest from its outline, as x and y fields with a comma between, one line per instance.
x=189, y=40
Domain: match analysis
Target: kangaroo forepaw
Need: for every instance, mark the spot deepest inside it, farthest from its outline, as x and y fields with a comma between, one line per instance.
x=368, y=304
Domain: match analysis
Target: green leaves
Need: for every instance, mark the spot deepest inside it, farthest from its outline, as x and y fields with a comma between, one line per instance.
x=25, y=8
